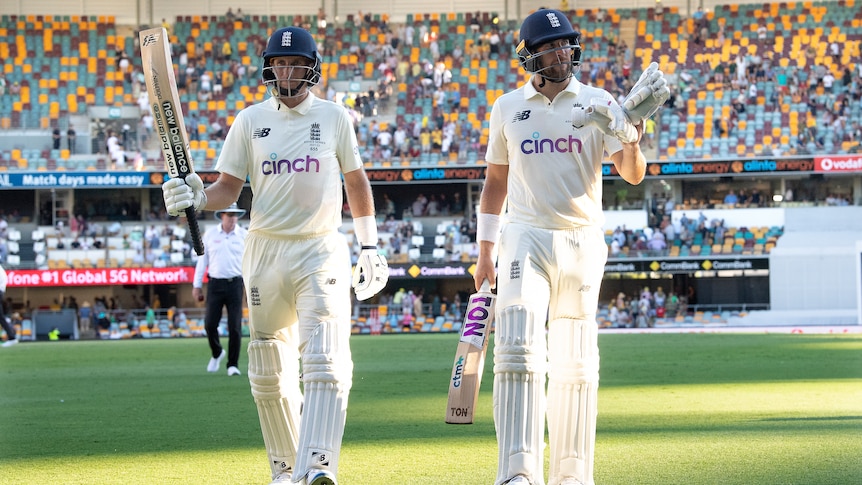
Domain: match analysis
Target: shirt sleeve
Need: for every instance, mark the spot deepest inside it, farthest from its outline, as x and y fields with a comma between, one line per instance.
x=347, y=149
x=236, y=151
x=200, y=268
x=497, y=147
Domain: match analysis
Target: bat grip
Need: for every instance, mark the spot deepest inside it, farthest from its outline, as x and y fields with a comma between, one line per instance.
x=486, y=286
x=195, y=231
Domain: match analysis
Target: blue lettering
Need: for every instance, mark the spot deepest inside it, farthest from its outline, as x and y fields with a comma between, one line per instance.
x=429, y=174
x=760, y=166
x=676, y=168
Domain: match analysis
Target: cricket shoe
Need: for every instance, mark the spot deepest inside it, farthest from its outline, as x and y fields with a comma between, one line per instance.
x=571, y=481
x=320, y=477
x=282, y=478
x=215, y=362
x=519, y=480
x=233, y=371
x=10, y=343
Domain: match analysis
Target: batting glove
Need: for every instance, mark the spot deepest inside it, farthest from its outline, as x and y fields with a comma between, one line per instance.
x=608, y=117
x=647, y=95
x=180, y=194
x=370, y=274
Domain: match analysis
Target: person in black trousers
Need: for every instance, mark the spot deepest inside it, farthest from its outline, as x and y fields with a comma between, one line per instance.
x=222, y=259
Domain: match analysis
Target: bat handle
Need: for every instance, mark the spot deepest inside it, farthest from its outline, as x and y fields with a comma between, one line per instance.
x=195, y=231
x=486, y=286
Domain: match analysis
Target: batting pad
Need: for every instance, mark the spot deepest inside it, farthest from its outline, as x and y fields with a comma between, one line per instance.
x=519, y=394
x=327, y=376
x=273, y=371
x=573, y=383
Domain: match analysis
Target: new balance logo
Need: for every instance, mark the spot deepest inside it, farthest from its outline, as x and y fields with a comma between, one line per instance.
x=521, y=116
x=150, y=39
x=584, y=288
x=330, y=281
x=260, y=132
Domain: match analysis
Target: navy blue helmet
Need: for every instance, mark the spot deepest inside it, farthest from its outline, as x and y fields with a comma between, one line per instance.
x=543, y=26
x=291, y=41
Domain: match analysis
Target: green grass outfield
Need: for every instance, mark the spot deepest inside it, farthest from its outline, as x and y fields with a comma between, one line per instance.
x=673, y=409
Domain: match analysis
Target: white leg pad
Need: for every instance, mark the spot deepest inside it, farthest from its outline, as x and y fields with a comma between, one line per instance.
x=327, y=373
x=520, y=364
x=273, y=372
x=573, y=382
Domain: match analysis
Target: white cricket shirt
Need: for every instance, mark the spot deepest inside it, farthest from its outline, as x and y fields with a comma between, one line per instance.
x=222, y=254
x=293, y=159
x=555, y=170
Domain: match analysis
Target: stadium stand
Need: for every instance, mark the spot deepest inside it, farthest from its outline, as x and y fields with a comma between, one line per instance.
x=782, y=52
x=749, y=80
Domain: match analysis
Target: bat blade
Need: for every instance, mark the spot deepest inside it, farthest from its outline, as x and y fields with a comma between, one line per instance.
x=466, y=377
x=168, y=114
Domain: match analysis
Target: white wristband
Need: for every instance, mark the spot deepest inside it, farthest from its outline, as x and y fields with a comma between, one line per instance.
x=487, y=227
x=365, y=228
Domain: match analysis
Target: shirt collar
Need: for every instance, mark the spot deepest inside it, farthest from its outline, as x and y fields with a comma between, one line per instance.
x=302, y=108
x=573, y=87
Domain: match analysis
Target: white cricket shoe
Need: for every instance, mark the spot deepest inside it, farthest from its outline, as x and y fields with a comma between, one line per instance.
x=320, y=477
x=233, y=371
x=282, y=478
x=519, y=480
x=215, y=362
x=10, y=343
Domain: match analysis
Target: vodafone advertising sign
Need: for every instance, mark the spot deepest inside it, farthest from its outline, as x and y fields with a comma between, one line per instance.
x=100, y=277
x=838, y=163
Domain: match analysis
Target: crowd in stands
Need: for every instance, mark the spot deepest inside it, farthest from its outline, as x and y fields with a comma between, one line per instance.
x=747, y=81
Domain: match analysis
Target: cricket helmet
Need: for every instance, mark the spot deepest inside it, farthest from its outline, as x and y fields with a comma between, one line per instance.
x=540, y=27
x=291, y=41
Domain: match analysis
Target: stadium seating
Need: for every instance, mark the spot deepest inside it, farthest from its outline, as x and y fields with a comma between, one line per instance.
x=63, y=64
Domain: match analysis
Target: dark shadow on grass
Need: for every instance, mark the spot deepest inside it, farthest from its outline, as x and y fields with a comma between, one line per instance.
x=817, y=418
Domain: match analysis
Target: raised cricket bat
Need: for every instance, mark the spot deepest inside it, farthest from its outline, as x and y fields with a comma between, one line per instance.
x=168, y=114
x=466, y=375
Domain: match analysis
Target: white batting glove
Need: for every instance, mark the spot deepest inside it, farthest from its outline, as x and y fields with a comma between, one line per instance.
x=647, y=95
x=370, y=274
x=180, y=194
x=607, y=116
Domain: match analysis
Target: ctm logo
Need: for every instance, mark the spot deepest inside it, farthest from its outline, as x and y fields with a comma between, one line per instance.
x=275, y=166
x=536, y=144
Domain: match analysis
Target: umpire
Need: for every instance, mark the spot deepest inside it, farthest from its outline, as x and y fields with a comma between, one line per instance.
x=223, y=261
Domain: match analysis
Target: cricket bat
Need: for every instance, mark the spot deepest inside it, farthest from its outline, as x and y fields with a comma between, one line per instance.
x=466, y=375
x=168, y=115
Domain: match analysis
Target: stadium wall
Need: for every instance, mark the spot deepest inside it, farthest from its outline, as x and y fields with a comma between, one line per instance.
x=132, y=12
x=814, y=266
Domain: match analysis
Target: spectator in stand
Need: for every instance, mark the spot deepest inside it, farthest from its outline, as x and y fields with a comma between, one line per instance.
x=71, y=140
x=731, y=199
x=657, y=244
x=419, y=205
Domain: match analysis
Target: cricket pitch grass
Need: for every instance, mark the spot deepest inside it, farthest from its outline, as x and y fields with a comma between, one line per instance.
x=673, y=409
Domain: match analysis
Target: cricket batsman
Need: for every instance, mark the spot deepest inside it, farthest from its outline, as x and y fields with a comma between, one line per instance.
x=294, y=149
x=546, y=145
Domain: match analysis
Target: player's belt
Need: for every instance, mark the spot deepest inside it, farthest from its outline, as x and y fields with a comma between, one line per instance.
x=227, y=280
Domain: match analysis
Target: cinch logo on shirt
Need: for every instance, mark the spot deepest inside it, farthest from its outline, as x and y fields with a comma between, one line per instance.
x=277, y=167
x=545, y=145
